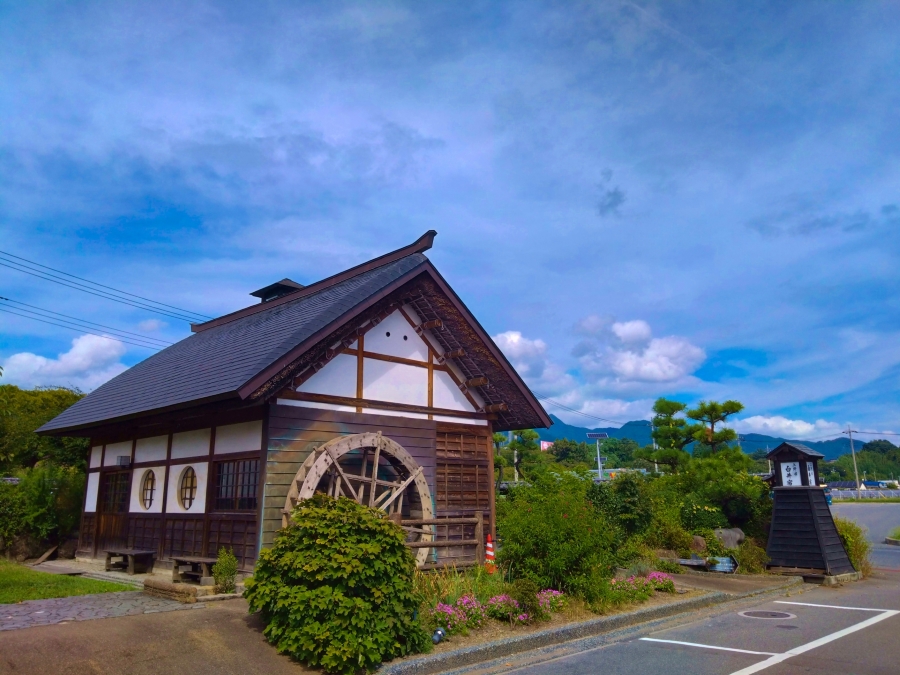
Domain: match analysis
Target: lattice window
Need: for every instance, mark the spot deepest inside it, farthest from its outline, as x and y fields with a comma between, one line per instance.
x=188, y=488
x=236, y=485
x=115, y=492
x=148, y=489
x=462, y=478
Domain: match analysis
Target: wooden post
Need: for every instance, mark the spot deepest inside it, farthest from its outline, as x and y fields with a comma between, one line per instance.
x=479, y=537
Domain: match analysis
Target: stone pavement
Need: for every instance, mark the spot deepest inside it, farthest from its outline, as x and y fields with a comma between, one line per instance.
x=83, y=608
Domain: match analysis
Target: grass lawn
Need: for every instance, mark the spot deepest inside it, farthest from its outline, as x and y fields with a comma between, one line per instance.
x=18, y=583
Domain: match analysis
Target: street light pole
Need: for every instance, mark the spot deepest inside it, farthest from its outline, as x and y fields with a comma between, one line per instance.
x=849, y=432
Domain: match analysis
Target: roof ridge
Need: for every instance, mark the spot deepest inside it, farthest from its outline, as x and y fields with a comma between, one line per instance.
x=421, y=244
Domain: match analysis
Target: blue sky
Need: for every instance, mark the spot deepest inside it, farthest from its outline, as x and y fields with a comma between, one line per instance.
x=688, y=199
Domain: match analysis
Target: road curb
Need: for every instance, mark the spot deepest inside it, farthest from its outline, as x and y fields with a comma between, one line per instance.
x=467, y=656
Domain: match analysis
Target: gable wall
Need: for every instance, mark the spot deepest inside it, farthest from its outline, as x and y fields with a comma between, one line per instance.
x=392, y=363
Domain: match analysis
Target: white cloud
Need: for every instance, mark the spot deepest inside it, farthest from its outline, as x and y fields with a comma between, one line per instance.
x=529, y=358
x=627, y=352
x=151, y=325
x=776, y=425
x=663, y=360
x=632, y=331
x=90, y=362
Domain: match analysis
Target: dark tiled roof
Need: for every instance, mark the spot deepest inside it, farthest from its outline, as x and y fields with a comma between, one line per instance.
x=217, y=361
x=799, y=447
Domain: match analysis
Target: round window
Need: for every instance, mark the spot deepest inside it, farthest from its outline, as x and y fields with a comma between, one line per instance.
x=148, y=488
x=188, y=491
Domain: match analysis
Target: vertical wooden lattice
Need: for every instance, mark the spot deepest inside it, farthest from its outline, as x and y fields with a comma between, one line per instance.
x=462, y=485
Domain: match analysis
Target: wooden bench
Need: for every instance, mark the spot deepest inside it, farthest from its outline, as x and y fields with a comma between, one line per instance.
x=194, y=567
x=132, y=560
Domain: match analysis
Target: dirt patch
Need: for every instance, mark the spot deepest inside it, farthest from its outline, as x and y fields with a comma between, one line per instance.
x=574, y=613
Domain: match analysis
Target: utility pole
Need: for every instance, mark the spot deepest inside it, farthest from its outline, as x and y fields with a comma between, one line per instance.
x=850, y=432
x=515, y=465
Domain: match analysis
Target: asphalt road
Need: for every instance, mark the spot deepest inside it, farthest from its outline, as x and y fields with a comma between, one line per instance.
x=829, y=631
x=879, y=519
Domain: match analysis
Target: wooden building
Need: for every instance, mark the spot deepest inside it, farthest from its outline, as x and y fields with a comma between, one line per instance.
x=803, y=538
x=376, y=383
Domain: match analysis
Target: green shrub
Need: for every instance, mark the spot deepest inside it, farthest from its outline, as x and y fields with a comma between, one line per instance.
x=751, y=557
x=53, y=496
x=12, y=513
x=624, y=502
x=714, y=547
x=525, y=592
x=225, y=571
x=667, y=566
x=551, y=534
x=698, y=515
x=895, y=533
x=858, y=547
x=336, y=588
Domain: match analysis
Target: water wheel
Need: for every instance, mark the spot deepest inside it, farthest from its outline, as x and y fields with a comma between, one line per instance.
x=370, y=469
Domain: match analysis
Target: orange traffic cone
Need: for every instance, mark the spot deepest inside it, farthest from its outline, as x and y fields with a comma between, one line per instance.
x=489, y=556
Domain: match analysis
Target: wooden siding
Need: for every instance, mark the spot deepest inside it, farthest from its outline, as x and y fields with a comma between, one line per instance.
x=294, y=432
x=803, y=533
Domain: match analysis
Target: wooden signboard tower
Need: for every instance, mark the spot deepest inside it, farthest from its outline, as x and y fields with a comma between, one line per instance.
x=803, y=538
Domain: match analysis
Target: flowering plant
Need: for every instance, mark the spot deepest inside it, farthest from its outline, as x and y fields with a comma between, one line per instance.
x=448, y=617
x=473, y=610
x=551, y=601
x=661, y=582
x=504, y=608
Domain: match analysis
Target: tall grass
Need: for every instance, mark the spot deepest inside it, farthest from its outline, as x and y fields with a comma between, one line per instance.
x=858, y=547
x=449, y=584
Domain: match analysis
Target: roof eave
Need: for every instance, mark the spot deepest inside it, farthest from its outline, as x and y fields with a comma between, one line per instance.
x=69, y=430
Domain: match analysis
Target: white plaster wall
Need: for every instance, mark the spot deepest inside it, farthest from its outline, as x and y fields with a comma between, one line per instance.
x=137, y=481
x=395, y=413
x=238, y=437
x=315, y=404
x=115, y=450
x=151, y=449
x=190, y=444
x=377, y=340
x=337, y=378
x=459, y=420
x=96, y=456
x=395, y=382
x=173, y=503
x=447, y=394
x=93, y=487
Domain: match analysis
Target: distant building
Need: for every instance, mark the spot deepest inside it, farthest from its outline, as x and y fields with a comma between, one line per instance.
x=846, y=485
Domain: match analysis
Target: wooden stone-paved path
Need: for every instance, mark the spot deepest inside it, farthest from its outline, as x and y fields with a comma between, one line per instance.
x=83, y=608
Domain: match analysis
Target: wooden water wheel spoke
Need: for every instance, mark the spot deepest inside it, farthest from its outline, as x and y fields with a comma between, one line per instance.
x=374, y=484
x=340, y=471
x=351, y=465
x=400, y=488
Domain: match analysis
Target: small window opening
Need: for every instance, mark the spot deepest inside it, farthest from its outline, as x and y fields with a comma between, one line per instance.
x=148, y=489
x=388, y=334
x=188, y=488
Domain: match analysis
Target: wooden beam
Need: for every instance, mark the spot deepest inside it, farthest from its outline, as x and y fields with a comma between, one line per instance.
x=455, y=354
x=495, y=407
x=380, y=405
x=477, y=382
x=428, y=325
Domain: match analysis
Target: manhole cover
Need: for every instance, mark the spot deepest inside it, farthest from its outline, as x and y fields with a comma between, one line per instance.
x=764, y=614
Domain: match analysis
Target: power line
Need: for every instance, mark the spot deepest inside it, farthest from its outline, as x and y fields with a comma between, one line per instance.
x=577, y=412
x=95, y=283
x=126, y=333
x=52, y=323
x=180, y=314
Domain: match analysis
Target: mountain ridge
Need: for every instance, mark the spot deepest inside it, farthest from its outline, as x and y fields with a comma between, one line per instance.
x=639, y=432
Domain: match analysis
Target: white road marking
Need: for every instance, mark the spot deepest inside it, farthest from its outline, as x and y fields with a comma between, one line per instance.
x=697, y=644
x=778, y=658
x=810, y=604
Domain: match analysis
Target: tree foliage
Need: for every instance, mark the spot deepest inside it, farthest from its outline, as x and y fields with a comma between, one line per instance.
x=24, y=410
